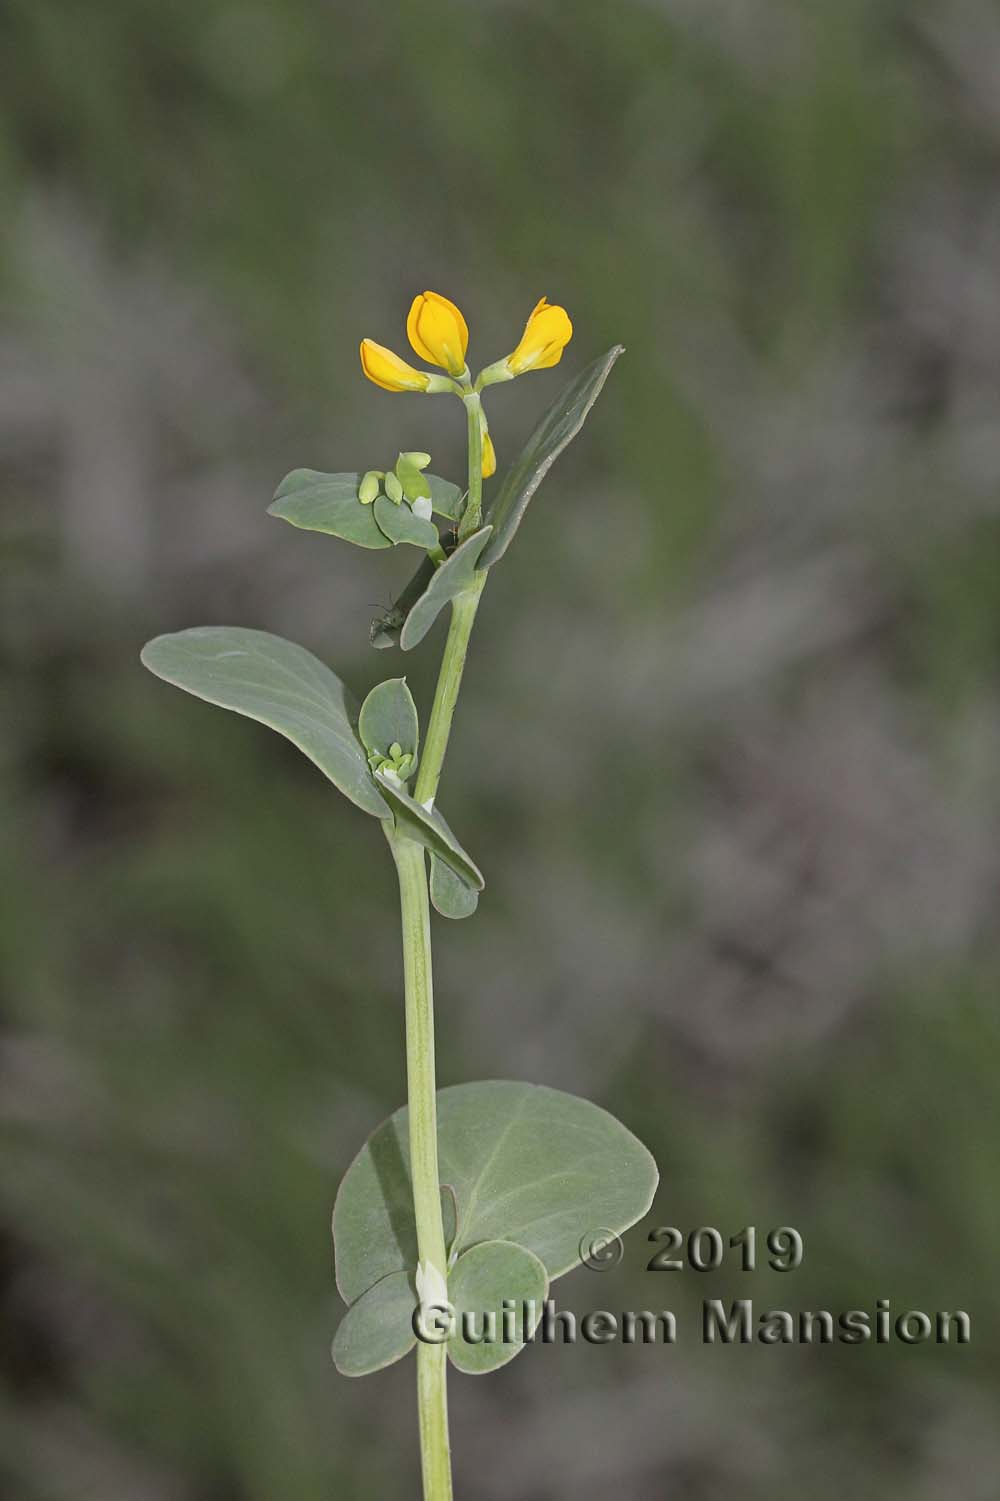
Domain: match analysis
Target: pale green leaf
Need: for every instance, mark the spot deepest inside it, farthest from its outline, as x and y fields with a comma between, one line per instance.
x=450, y=895
x=446, y=498
x=528, y=1164
x=377, y=1330
x=279, y=684
x=329, y=503
x=399, y=524
x=452, y=578
x=557, y=428
x=429, y=828
x=389, y=716
x=483, y=1279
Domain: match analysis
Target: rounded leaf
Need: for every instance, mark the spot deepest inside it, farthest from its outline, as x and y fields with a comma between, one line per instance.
x=497, y=1290
x=400, y=525
x=389, y=716
x=377, y=1330
x=527, y=1164
x=450, y=895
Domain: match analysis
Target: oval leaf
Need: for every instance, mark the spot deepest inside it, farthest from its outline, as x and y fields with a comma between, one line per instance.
x=399, y=524
x=449, y=893
x=453, y=577
x=279, y=684
x=557, y=428
x=483, y=1279
x=377, y=1330
x=389, y=716
x=528, y=1164
x=328, y=503
x=430, y=830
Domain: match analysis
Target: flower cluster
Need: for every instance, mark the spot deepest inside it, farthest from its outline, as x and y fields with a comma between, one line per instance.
x=440, y=335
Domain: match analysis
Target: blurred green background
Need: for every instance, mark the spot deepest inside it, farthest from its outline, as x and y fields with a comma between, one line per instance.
x=727, y=750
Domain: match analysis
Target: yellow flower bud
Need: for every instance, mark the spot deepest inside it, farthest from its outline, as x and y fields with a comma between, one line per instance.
x=438, y=332
x=489, y=452
x=389, y=371
x=546, y=334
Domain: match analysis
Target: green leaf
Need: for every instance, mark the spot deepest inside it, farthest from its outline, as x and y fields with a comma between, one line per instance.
x=557, y=428
x=430, y=830
x=446, y=498
x=449, y=893
x=480, y=1282
x=279, y=684
x=452, y=578
x=389, y=715
x=377, y=1330
x=327, y=503
x=528, y=1164
x=400, y=525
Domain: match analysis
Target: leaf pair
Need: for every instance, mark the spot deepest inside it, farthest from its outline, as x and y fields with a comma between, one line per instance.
x=284, y=686
x=535, y=1174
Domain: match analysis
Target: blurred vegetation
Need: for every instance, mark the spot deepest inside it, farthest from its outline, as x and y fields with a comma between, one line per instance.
x=727, y=752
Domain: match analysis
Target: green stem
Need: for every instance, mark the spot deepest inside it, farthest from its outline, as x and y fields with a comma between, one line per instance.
x=432, y=1394
x=463, y=616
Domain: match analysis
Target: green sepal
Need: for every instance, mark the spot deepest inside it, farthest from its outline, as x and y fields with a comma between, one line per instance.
x=429, y=828
x=279, y=684
x=328, y=503
x=450, y=579
x=557, y=428
x=400, y=525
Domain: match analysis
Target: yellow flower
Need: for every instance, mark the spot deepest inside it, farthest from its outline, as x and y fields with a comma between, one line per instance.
x=389, y=371
x=546, y=334
x=438, y=332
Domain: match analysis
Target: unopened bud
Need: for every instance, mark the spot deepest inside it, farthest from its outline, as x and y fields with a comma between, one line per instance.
x=393, y=488
x=369, y=487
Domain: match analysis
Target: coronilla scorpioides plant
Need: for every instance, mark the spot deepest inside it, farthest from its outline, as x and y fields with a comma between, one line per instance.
x=474, y=1198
